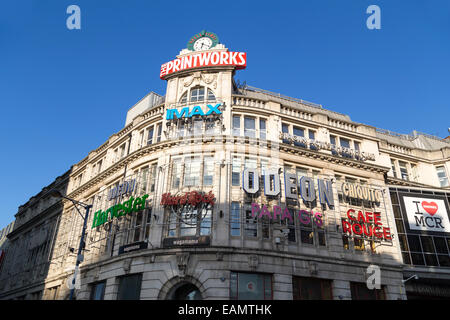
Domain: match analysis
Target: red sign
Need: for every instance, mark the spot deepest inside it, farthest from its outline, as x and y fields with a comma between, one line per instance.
x=204, y=59
x=192, y=198
x=366, y=224
x=430, y=207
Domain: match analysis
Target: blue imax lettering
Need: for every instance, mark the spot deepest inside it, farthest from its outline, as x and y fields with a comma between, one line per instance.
x=196, y=111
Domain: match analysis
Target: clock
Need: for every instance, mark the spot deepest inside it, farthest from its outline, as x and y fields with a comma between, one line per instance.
x=203, y=41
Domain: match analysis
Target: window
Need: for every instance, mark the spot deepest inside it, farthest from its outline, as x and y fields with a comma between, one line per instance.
x=299, y=132
x=361, y=292
x=158, y=132
x=192, y=171
x=143, y=180
x=251, y=225
x=150, y=136
x=403, y=170
x=312, y=136
x=235, y=219
x=311, y=289
x=236, y=171
x=236, y=125
x=249, y=127
x=153, y=177
x=98, y=291
x=262, y=129
x=333, y=140
x=394, y=171
x=198, y=127
x=285, y=129
x=130, y=287
x=197, y=94
x=344, y=142
x=184, y=98
x=442, y=176
x=250, y=286
x=211, y=95
x=208, y=171
x=176, y=173
x=191, y=223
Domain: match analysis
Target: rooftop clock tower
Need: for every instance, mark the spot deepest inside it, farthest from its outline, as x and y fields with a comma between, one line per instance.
x=202, y=74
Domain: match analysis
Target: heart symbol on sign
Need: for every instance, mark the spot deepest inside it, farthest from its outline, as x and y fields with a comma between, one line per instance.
x=430, y=207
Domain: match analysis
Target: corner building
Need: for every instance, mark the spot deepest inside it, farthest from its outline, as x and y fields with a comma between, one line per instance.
x=223, y=191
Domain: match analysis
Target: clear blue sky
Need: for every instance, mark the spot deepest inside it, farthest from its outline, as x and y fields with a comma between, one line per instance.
x=64, y=92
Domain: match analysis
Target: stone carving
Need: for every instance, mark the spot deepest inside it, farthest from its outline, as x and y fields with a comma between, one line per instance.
x=126, y=265
x=253, y=261
x=182, y=262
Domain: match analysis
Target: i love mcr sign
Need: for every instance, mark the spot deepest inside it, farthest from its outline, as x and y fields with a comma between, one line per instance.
x=427, y=214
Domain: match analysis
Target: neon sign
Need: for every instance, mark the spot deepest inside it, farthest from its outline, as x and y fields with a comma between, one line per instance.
x=294, y=187
x=119, y=210
x=196, y=111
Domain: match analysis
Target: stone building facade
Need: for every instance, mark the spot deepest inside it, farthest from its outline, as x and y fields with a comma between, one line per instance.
x=222, y=191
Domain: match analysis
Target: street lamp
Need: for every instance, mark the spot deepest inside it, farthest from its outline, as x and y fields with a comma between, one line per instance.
x=57, y=194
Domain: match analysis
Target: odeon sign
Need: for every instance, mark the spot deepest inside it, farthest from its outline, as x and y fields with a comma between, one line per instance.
x=186, y=112
x=294, y=187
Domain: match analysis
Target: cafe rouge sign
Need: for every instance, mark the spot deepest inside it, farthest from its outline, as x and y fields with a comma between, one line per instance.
x=361, y=223
x=204, y=59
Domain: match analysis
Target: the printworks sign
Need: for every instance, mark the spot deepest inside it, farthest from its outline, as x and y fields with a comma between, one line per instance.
x=426, y=214
x=119, y=210
x=320, y=145
x=204, y=59
x=187, y=112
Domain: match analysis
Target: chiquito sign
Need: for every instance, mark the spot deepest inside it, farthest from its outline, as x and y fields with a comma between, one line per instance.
x=294, y=189
x=204, y=59
x=364, y=223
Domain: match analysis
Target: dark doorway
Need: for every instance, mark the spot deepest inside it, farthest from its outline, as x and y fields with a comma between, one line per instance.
x=185, y=291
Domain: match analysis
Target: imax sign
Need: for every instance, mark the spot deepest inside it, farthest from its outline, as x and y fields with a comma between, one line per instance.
x=186, y=112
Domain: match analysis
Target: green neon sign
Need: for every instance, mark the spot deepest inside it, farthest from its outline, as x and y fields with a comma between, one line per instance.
x=119, y=210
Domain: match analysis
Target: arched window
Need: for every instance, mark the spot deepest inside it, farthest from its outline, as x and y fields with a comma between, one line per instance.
x=197, y=94
x=211, y=95
x=184, y=98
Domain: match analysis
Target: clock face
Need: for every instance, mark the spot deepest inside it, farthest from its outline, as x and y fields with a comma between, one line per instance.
x=204, y=43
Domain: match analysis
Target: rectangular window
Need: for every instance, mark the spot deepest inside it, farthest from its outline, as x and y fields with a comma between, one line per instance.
x=403, y=170
x=394, y=171
x=122, y=150
x=198, y=127
x=442, y=176
x=251, y=225
x=192, y=171
x=141, y=139
x=158, y=132
x=312, y=136
x=299, y=132
x=208, y=171
x=144, y=179
x=197, y=94
x=333, y=140
x=98, y=291
x=205, y=225
x=311, y=289
x=153, y=177
x=344, y=142
x=250, y=286
x=236, y=171
x=176, y=173
x=249, y=127
x=150, y=135
x=361, y=292
x=262, y=129
x=236, y=125
x=285, y=129
x=130, y=287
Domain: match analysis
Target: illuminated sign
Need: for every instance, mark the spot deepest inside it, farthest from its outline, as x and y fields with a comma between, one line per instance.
x=294, y=187
x=204, y=59
x=426, y=214
x=119, y=210
x=304, y=216
x=360, y=192
x=190, y=207
x=122, y=189
x=365, y=224
x=319, y=145
x=196, y=111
